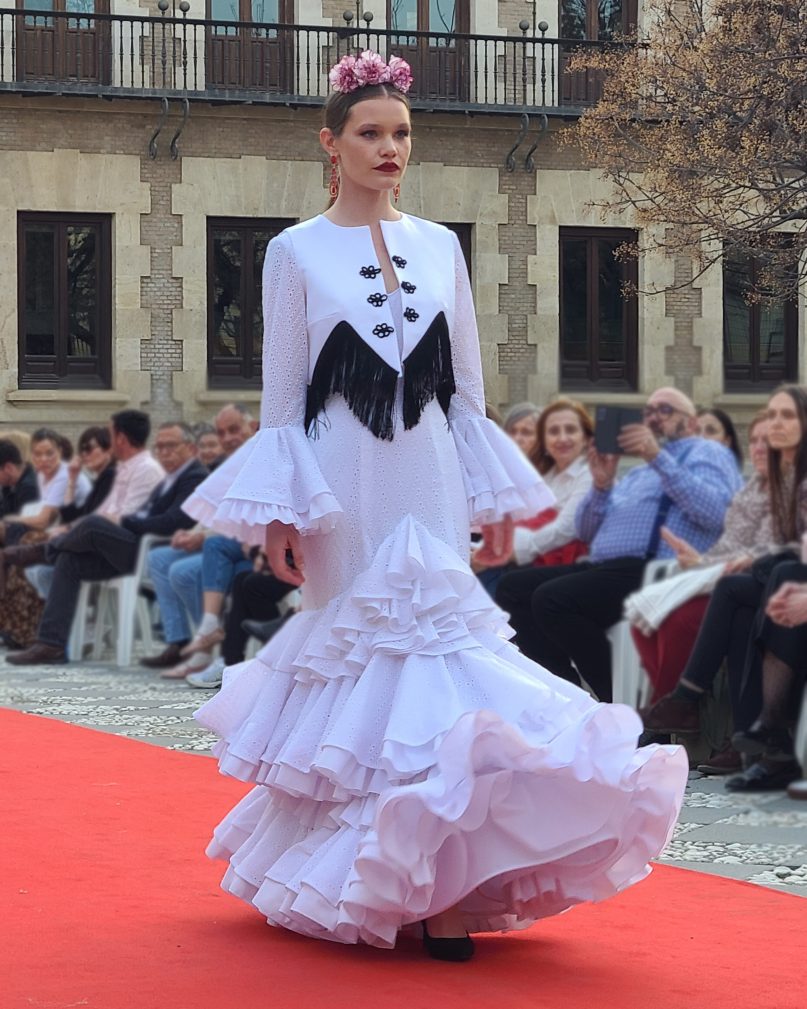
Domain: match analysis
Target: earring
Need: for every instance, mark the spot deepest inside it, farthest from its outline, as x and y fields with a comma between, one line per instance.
x=333, y=188
x=396, y=191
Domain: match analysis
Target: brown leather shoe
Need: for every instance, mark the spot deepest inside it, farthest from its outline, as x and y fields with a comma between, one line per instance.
x=671, y=714
x=39, y=654
x=168, y=657
x=797, y=789
x=23, y=556
x=725, y=761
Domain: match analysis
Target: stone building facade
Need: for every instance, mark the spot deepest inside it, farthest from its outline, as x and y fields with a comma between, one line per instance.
x=107, y=151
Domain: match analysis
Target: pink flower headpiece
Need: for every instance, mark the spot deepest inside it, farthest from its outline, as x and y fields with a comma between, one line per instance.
x=352, y=72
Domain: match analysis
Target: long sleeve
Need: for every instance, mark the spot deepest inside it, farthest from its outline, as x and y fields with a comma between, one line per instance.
x=748, y=528
x=499, y=480
x=531, y=543
x=275, y=475
x=701, y=490
x=591, y=512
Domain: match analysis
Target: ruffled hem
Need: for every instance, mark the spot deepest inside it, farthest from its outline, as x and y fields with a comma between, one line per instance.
x=408, y=758
x=273, y=477
x=499, y=480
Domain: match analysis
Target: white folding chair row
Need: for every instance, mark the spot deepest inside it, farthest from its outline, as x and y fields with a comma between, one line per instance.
x=631, y=684
x=119, y=607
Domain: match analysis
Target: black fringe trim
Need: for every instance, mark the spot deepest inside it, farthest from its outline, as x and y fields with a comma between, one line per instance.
x=428, y=372
x=348, y=367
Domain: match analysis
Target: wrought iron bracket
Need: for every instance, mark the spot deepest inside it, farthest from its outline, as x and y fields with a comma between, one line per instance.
x=186, y=111
x=156, y=133
x=543, y=126
x=510, y=160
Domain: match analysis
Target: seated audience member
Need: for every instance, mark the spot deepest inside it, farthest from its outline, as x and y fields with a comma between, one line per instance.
x=176, y=570
x=52, y=475
x=94, y=459
x=561, y=614
x=779, y=641
x=521, y=423
x=18, y=483
x=22, y=439
x=208, y=446
x=105, y=545
x=727, y=627
x=565, y=431
x=255, y=595
x=716, y=425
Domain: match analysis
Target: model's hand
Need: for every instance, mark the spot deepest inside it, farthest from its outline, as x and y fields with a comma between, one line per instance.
x=279, y=539
x=639, y=440
x=686, y=555
x=603, y=468
x=497, y=544
x=788, y=606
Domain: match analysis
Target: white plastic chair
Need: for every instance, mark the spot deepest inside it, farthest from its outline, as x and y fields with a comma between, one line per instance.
x=119, y=605
x=631, y=684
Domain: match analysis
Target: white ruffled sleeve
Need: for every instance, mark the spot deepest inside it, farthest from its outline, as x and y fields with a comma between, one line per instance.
x=499, y=479
x=275, y=475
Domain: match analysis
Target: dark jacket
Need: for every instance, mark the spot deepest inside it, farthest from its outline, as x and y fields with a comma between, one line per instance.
x=162, y=513
x=101, y=487
x=24, y=491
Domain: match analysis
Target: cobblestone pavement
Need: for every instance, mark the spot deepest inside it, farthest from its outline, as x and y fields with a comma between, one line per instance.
x=760, y=838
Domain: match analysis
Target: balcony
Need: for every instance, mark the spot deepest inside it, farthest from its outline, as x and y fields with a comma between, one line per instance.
x=129, y=56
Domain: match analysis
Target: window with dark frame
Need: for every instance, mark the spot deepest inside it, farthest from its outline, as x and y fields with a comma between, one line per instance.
x=64, y=300
x=760, y=336
x=598, y=322
x=235, y=252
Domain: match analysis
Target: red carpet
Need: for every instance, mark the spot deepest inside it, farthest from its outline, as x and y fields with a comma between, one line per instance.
x=108, y=902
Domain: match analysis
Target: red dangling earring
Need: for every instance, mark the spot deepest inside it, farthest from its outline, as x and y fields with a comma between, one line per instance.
x=396, y=191
x=333, y=188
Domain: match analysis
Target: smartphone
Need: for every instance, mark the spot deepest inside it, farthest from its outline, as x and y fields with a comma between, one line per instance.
x=609, y=421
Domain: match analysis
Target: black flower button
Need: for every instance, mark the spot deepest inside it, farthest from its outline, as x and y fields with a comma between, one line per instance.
x=369, y=272
x=377, y=300
x=410, y=315
x=400, y=263
x=408, y=288
x=383, y=330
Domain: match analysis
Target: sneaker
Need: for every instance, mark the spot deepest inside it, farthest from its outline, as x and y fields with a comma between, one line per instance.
x=671, y=714
x=209, y=678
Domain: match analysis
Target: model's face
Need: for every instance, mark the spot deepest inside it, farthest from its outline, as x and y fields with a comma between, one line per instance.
x=709, y=426
x=524, y=433
x=758, y=447
x=233, y=429
x=374, y=147
x=564, y=437
x=784, y=427
x=208, y=448
x=46, y=457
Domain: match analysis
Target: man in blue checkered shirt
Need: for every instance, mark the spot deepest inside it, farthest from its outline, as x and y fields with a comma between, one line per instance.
x=561, y=614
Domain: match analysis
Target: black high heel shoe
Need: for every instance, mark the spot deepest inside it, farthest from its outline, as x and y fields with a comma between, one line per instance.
x=762, y=739
x=456, y=950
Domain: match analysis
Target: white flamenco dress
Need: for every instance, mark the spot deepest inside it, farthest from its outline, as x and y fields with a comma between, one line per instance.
x=406, y=757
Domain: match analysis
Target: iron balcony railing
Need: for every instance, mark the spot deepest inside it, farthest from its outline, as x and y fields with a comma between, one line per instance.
x=179, y=56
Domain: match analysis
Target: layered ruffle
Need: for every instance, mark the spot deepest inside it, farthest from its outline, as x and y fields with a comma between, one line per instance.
x=499, y=480
x=275, y=476
x=407, y=758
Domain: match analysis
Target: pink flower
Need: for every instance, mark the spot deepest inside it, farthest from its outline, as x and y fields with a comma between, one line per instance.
x=371, y=69
x=343, y=75
x=400, y=74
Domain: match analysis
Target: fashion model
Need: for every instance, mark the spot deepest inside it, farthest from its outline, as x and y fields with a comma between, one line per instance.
x=411, y=767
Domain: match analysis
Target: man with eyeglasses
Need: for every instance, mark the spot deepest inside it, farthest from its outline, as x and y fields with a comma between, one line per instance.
x=105, y=545
x=561, y=615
